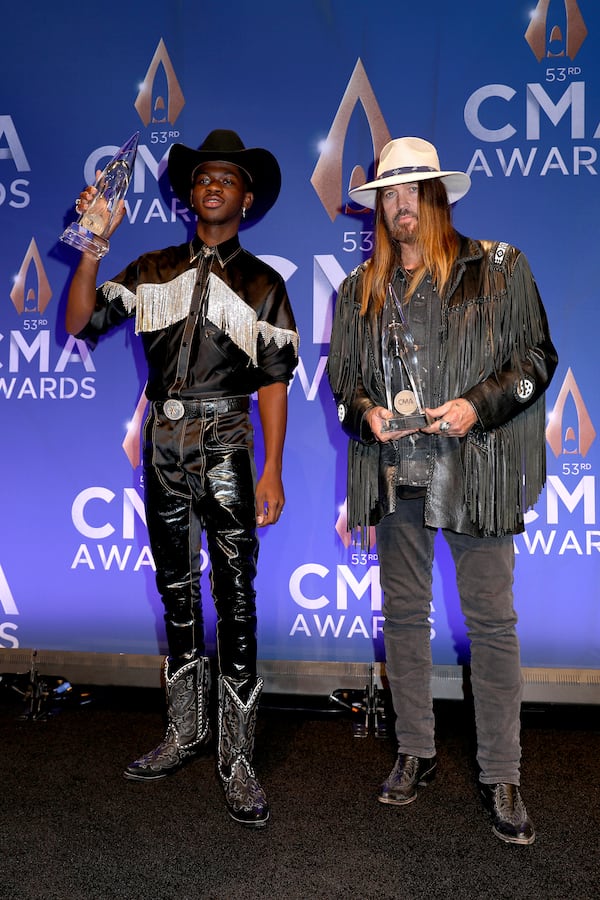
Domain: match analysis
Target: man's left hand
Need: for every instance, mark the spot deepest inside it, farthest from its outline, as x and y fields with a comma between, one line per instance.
x=270, y=500
x=452, y=419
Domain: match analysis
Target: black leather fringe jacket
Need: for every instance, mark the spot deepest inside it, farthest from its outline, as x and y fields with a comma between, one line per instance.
x=496, y=352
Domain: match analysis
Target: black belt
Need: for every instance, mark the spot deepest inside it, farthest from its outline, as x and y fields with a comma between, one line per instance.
x=178, y=409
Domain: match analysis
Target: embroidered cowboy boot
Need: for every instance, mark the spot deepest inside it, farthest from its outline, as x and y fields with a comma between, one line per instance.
x=245, y=799
x=187, y=695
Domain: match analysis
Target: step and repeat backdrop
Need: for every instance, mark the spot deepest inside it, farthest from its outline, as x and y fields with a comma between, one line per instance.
x=510, y=94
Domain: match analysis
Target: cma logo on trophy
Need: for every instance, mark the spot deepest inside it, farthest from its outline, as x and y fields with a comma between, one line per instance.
x=570, y=430
x=31, y=291
x=160, y=82
x=556, y=29
x=327, y=175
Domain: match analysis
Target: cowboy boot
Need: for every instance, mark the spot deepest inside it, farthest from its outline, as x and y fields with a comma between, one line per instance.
x=244, y=797
x=187, y=694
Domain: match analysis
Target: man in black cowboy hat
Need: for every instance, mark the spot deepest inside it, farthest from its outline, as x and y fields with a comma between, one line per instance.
x=473, y=322
x=216, y=326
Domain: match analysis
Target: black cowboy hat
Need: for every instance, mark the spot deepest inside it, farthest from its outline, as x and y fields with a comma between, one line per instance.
x=260, y=167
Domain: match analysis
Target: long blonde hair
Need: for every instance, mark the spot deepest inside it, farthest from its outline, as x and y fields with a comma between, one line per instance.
x=437, y=240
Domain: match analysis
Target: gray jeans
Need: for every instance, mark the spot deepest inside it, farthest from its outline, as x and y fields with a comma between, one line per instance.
x=484, y=574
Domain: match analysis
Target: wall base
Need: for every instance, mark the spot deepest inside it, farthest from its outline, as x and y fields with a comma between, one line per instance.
x=544, y=685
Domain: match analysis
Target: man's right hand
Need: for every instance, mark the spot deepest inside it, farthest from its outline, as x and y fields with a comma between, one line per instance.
x=99, y=219
x=376, y=418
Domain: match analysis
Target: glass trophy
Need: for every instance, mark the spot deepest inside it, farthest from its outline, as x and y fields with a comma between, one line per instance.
x=402, y=369
x=90, y=231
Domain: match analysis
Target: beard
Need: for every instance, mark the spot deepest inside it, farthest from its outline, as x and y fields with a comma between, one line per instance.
x=405, y=232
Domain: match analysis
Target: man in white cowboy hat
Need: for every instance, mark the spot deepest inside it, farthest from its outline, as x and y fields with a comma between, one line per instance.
x=216, y=326
x=472, y=466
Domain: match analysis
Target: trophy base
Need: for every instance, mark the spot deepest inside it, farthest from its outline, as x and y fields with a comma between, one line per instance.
x=405, y=423
x=85, y=240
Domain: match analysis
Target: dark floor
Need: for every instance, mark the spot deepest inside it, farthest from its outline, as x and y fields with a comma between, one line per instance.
x=73, y=828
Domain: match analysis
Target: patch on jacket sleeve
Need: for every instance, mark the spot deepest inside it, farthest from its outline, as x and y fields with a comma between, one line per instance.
x=524, y=388
x=500, y=253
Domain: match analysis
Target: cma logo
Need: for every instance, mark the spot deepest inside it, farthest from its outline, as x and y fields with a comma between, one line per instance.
x=31, y=291
x=556, y=30
x=304, y=594
x=98, y=525
x=327, y=177
x=159, y=102
x=160, y=98
x=570, y=429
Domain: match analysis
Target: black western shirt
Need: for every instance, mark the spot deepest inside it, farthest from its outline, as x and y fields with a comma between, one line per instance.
x=214, y=322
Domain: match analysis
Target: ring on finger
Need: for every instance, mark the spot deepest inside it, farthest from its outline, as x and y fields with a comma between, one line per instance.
x=444, y=427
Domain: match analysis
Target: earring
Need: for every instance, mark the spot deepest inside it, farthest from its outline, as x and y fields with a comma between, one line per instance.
x=243, y=212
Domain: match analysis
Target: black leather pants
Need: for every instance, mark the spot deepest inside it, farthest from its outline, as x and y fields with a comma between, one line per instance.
x=199, y=475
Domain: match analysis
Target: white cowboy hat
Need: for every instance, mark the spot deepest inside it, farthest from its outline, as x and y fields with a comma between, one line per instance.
x=410, y=159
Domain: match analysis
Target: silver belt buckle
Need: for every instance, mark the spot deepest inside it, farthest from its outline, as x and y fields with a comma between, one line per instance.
x=173, y=409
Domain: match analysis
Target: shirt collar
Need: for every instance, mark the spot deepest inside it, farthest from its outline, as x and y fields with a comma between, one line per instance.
x=224, y=251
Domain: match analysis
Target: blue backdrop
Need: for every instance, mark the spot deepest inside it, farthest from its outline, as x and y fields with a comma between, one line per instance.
x=510, y=95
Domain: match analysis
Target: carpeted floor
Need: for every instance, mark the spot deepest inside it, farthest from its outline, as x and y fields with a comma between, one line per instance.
x=73, y=829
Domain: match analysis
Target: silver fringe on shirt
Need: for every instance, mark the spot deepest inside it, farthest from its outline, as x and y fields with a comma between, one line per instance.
x=160, y=305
